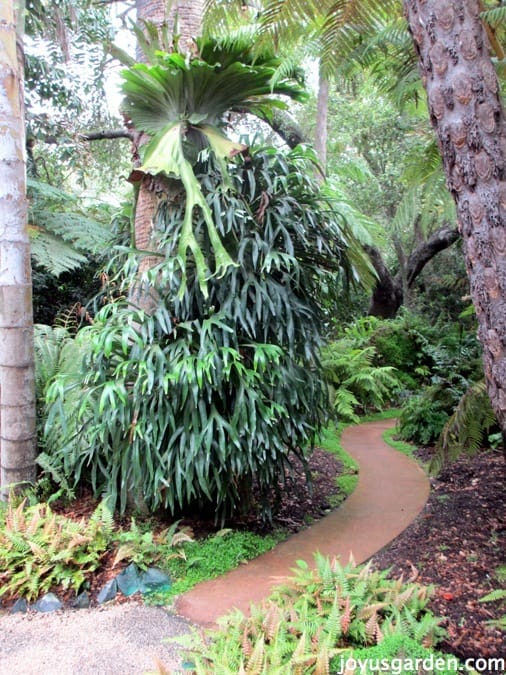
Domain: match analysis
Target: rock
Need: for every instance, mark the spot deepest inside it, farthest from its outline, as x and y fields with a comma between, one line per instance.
x=20, y=606
x=154, y=579
x=82, y=601
x=129, y=580
x=48, y=603
x=108, y=592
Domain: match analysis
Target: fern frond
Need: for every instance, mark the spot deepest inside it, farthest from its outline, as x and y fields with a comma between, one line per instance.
x=465, y=429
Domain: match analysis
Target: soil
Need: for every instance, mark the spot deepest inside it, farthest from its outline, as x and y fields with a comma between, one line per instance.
x=457, y=543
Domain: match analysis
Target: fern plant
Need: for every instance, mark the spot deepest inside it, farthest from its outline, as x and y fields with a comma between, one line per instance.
x=357, y=383
x=498, y=595
x=467, y=427
x=145, y=548
x=40, y=549
x=313, y=618
x=61, y=233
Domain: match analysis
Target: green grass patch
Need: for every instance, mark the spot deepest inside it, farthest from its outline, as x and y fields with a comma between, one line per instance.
x=212, y=557
x=330, y=441
x=389, y=436
x=389, y=414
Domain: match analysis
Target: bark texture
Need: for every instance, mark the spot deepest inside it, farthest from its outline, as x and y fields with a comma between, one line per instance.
x=17, y=388
x=185, y=17
x=466, y=112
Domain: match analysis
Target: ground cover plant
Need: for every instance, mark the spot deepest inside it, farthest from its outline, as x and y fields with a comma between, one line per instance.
x=75, y=543
x=315, y=619
x=43, y=550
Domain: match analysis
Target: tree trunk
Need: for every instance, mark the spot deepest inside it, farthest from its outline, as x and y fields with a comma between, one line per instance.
x=186, y=17
x=322, y=114
x=389, y=291
x=17, y=388
x=466, y=112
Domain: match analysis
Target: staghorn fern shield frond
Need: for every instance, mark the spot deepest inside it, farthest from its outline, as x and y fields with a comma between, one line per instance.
x=182, y=102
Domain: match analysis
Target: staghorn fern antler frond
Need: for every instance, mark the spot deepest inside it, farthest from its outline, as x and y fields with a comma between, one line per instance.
x=178, y=100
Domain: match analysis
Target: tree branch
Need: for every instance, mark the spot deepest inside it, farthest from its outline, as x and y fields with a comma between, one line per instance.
x=106, y=134
x=286, y=127
x=438, y=241
x=92, y=136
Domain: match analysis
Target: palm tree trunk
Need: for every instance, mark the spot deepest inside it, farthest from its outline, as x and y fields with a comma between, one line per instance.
x=466, y=112
x=322, y=114
x=17, y=388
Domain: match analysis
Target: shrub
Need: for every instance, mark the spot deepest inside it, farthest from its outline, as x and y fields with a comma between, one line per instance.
x=357, y=384
x=313, y=618
x=191, y=403
x=423, y=417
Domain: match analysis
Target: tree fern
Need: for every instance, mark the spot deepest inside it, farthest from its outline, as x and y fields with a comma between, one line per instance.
x=466, y=428
x=62, y=234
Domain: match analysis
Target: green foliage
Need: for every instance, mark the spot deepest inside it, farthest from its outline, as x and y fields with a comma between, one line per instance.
x=498, y=595
x=357, y=383
x=213, y=556
x=40, y=549
x=61, y=233
x=467, y=428
x=423, y=417
x=451, y=364
x=182, y=103
x=146, y=548
x=348, y=476
x=195, y=401
x=314, y=617
x=401, y=343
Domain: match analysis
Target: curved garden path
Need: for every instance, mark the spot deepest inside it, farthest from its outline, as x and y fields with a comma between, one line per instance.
x=391, y=491
x=125, y=639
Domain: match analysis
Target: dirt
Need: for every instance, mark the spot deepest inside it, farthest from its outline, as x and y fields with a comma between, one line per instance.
x=457, y=543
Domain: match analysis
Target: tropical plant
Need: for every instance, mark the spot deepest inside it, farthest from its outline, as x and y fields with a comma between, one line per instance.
x=194, y=401
x=61, y=234
x=466, y=429
x=40, y=549
x=424, y=415
x=181, y=103
x=357, y=384
x=316, y=616
x=451, y=366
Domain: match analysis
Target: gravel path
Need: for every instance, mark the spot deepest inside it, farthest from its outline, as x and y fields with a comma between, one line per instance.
x=124, y=639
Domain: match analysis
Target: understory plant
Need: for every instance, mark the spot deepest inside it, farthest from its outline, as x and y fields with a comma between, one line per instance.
x=40, y=549
x=316, y=617
x=191, y=403
x=357, y=385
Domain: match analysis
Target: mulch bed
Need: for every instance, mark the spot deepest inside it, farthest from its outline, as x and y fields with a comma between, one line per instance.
x=457, y=543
